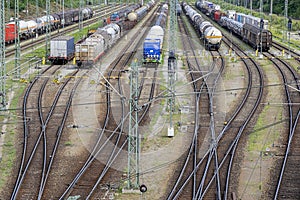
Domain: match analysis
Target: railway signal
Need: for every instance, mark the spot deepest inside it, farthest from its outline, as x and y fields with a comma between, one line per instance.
x=261, y=28
x=289, y=34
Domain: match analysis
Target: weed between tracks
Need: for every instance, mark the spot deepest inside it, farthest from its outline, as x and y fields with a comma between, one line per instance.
x=9, y=148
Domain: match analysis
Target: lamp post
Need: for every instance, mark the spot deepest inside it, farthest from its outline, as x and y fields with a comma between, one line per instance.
x=289, y=33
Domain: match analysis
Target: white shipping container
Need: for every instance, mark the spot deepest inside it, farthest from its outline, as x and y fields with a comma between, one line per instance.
x=90, y=49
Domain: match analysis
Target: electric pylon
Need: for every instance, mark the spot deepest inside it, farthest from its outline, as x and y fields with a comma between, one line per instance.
x=286, y=4
x=2, y=57
x=133, y=136
x=80, y=24
x=17, y=41
x=37, y=8
x=172, y=64
x=48, y=28
x=8, y=9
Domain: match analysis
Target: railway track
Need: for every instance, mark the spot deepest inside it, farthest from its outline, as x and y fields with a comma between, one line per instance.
x=228, y=140
x=39, y=146
x=86, y=182
x=216, y=166
x=204, y=118
x=292, y=53
x=28, y=44
x=287, y=183
x=207, y=177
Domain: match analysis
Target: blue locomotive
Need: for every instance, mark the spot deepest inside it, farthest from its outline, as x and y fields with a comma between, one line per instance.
x=152, y=47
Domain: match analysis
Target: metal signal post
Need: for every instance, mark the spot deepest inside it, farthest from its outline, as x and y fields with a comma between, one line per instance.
x=261, y=29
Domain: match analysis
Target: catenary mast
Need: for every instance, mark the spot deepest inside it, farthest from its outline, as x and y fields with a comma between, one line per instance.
x=17, y=41
x=48, y=28
x=2, y=57
x=172, y=64
x=133, y=135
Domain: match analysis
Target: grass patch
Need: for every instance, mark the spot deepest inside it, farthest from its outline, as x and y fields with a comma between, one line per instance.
x=68, y=143
x=8, y=159
x=260, y=140
x=9, y=150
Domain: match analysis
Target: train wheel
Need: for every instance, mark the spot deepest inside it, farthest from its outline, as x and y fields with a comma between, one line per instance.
x=206, y=47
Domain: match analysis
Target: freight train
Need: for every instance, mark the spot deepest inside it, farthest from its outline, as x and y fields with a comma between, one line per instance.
x=250, y=29
x=137, y=15
x=153, y=43
x=32, y=28
x=210, y=35
x=88, y=51
x=121, y=14
x=178, y=9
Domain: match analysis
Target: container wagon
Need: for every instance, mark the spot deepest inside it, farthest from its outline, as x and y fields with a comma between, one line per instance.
x=62, y=49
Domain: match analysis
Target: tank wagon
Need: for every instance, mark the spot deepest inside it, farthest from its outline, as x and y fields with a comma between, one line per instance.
x=139, y=14
x=88, y=51
x=153, y=43
x=31, y=28
x=206, y=7
x=135, y=16
x=27, y=30
x=250, y=29
x=209, y=35
x=162, y=18
x=178, y=9
x=117, y=16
